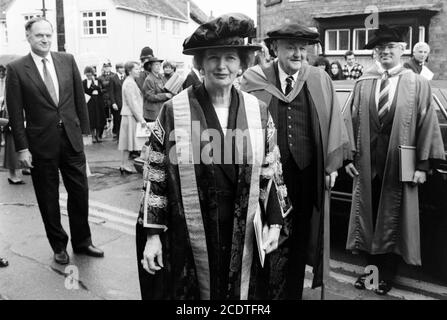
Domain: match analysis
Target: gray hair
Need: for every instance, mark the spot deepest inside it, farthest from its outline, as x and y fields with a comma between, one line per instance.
x=421, y=44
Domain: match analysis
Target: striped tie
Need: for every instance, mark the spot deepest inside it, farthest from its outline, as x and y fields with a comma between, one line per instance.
x=289, y=85
x=384, y=101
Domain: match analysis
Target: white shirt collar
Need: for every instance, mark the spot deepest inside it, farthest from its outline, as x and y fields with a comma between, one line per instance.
x=391, y=71
x=283, y=75
x=38, y=59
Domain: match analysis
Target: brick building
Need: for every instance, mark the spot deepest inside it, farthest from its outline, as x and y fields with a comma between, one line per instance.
x=344, y=25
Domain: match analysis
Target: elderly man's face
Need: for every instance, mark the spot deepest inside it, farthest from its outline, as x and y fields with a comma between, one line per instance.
x=2, y=73
x=389, y=54
x=421, y=53
x=291, y=54
x=221, y=67
x=40, y=38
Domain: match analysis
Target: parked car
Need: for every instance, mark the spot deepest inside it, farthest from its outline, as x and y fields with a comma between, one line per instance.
x=432, y=194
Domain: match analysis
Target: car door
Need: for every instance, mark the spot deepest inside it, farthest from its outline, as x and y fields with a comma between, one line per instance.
x=433, y=203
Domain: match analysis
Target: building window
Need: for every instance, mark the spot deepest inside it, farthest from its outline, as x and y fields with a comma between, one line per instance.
x=30, y=16
x=175, y=28
x=148, y=23
x=5, y=31
x=408, y=38
x=94, y=23
x=163, y=24
x=360, y=39
x=337, y=41
x=421, y=34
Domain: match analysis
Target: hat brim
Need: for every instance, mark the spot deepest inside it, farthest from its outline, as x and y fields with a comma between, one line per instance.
x=193, y=51
x=309, y=41
x=379, y=40
x=152, y=61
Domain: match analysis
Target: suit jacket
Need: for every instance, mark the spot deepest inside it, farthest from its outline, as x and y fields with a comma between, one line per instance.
x=414, y=65
x=132, y=100
x=28, y=96
x=154, y=96
x=192, y=80
x=116, y=88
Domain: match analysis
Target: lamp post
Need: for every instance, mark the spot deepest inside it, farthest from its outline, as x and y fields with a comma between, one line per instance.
x=44, y=9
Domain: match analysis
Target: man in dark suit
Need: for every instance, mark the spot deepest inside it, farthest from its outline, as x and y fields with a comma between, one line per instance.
x=46, y=88
x=116, y=88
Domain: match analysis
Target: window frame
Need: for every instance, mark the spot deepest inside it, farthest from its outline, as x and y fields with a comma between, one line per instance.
x=149, y=23
x=176, y=28
x=95, y=19
x=327, y=51
x=361, y=51
x=163, y=25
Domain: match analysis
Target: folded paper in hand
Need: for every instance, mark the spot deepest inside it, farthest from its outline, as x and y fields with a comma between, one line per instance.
x=261, y=232
x=407, y=162
x=143, y=132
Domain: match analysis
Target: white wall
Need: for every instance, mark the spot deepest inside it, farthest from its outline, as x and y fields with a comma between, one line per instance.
x=127, y=35
x=15, y=19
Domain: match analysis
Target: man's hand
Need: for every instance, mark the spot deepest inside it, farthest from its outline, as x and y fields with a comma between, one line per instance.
x=169, y=95
x=330, y=180
x=351, y=170
x=153, y=254
x=25, y=159
x=419, y=177
x=272, y=240
x=115, y=107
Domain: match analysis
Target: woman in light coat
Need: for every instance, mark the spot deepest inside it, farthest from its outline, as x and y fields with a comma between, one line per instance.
x=132, y=114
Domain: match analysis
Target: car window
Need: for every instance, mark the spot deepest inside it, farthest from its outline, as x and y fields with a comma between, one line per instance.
x=343, y=97
x=442, y=118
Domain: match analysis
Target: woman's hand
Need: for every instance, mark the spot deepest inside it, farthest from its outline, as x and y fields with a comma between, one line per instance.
x=272, y=239
x=153, y=255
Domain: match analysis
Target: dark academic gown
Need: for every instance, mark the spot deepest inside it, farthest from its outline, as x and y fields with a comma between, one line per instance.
x=390, y=223
x=208, y=258
x=319, y=136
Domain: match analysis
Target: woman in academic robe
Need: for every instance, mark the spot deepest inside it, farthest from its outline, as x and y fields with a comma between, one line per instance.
x=212, y=166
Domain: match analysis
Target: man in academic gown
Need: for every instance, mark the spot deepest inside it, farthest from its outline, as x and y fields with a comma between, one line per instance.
x=312, y=140
x=391, y=107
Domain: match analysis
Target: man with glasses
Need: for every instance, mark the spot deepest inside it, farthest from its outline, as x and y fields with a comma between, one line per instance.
x=393, y=119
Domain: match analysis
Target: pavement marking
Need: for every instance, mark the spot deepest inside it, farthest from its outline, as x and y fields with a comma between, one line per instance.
x=107, y=207
x=345, y=279
x=404, y=281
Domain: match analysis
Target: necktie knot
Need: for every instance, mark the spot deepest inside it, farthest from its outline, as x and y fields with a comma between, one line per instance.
x=289, y=86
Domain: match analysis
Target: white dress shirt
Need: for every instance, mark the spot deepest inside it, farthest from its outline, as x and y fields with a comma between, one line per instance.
x=393, y=83
x=50, y=67
x=222, y=115
x=283, y=76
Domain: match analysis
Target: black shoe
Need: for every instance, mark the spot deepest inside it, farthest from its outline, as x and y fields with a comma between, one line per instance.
x=16, y=182
x=90, y=250
x=62, y=257
x=26, y=172
x=3, y=263
x=384, y=288
x=360, y=283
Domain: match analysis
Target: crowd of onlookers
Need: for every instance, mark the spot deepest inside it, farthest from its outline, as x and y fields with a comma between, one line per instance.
x=118, y=102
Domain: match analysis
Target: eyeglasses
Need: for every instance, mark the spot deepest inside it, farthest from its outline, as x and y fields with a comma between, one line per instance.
x=387, y=46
